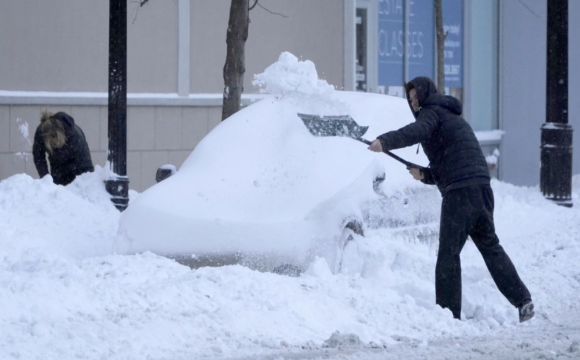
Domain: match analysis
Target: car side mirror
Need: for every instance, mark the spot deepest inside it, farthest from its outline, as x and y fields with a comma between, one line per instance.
x=164, y=172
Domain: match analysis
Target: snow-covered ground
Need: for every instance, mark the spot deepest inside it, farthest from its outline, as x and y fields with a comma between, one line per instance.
x=64, y=295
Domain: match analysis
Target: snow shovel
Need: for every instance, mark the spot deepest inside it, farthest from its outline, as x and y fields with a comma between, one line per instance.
x=343, y=125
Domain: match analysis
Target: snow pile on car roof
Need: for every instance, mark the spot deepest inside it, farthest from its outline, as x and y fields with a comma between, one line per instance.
x=290, y=75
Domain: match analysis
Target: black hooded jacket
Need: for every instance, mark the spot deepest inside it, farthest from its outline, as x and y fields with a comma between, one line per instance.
x=72, y=159
x=455, y=156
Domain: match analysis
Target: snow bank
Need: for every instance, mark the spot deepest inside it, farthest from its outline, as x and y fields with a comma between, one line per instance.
x=62, y=296
x=39, y=216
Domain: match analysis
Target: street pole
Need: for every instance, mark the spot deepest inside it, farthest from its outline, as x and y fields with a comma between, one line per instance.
x=556, y=154
x=117, y=183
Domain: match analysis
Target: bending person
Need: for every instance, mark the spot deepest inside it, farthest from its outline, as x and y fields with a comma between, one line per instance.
x=64, y=142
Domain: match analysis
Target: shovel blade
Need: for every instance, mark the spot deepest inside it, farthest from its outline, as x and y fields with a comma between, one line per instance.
x=342, y=125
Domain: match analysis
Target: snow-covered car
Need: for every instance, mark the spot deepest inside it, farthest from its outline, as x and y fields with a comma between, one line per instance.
x=259, y=189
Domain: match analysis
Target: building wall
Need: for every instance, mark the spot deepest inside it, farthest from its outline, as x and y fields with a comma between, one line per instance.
x=310, y=30
x=60, y=47
x=523, y=86
x=481, y=89
x=156, y=135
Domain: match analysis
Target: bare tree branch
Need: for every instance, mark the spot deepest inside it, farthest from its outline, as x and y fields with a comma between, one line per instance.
x=530, y=9
x=253, y=6
x=136, y=12
x=141, y=3
x=271, y=12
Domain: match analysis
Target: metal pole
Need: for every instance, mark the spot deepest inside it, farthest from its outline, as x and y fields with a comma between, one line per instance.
x=556, y=154
x=117, y=183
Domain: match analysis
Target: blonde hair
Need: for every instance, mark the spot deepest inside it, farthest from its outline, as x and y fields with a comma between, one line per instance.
x=52, y=132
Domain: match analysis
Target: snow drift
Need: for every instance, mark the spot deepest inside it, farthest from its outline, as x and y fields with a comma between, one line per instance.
x=63, y=296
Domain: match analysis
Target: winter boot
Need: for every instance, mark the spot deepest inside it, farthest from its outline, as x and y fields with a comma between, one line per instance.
x=526, y=311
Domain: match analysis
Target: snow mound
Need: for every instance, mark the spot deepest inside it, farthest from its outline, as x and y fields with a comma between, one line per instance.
x=63, y=296
x=289, y=75
x=39, y=216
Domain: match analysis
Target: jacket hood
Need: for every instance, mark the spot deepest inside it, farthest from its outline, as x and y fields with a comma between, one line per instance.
x=424, y=86
x=427, y=95
x=448, y=102
x=66, y=119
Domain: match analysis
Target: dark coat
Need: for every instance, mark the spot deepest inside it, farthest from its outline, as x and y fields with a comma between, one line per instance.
x=72, y=159
x=455, y=156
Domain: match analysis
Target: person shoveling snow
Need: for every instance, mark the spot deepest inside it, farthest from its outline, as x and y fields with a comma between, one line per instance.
x=459, y=169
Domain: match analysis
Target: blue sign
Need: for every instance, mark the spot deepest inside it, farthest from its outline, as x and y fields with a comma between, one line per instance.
x=391, y=27
x=420, y=43
x=421, y=38
x=453, y=50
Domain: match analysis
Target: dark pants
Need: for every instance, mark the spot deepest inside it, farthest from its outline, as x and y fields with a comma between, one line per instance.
x=469, y=211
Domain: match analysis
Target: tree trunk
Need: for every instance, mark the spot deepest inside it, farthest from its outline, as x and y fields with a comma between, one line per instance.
x=235, y=59
x=440, y=46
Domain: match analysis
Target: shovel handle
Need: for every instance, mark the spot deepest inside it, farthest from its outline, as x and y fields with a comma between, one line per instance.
x=398, y=158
